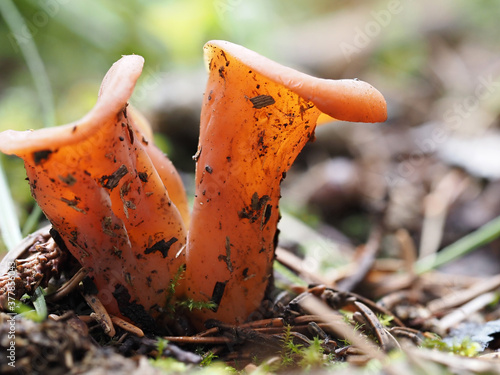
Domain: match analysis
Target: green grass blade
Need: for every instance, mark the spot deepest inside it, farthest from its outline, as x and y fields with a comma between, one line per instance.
x=31, y=222
x=40, y=304
x=285, y=272
x=466, y=244
x=9, y=223
x=20, y=32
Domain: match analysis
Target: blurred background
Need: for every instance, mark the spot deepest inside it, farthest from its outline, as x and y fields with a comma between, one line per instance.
x=432, y=170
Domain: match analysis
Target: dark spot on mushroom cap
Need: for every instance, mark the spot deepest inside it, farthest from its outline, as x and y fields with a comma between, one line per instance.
x=161, y=246
x=143, y=176
x=223, y=54
x=40, y=156
x=253, y=211
x=111, y=181
x=262, y=101
x=69, y=179
x=217, y=294
x=267, y=213
x=130, y=133
x=73, y=203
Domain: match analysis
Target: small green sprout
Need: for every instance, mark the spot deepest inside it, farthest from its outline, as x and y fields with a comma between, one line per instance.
x=191, y=304
x=385, y=320
x=304, y=357
x=208, y=357
x=173, y=286
x=312, y=356
x=290, y=349
x=160, y=346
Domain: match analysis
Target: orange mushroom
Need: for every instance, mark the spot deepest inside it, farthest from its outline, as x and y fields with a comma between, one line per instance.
x=257, y=116
x=103, y=186
x=120, y=207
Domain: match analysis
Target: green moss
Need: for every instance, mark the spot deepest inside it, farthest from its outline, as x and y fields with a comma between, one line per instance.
x=466, y=347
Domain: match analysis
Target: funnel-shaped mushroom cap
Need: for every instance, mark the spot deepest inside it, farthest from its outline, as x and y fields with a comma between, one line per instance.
x=346, y=99
x=103, y=186
x=257, y=116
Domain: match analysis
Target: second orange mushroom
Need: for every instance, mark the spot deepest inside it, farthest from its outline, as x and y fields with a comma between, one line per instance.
x=257, y=115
